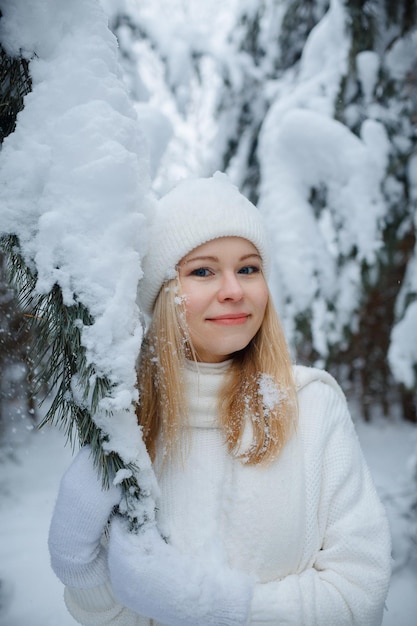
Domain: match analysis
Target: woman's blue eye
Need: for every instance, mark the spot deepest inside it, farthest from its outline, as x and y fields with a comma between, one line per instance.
x=249, y=269
x=200, y=271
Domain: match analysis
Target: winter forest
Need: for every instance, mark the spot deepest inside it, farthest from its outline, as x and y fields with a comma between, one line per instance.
x=311, y=109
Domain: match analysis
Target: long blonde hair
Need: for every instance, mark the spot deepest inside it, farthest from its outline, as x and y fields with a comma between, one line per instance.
x=258, y=387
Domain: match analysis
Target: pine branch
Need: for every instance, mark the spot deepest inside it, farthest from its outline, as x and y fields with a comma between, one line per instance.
x=59, y=359
x=15, y=83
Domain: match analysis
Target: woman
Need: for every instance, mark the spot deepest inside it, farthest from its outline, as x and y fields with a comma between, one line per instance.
x=266, y=506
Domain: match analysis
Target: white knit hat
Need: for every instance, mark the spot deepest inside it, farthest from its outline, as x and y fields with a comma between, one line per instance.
x=194, y=212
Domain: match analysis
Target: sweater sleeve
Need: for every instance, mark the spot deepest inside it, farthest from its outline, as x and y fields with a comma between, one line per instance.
x=346, y=580
x=98, y=607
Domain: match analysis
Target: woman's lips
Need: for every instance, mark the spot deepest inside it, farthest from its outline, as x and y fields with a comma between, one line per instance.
x=229, y=320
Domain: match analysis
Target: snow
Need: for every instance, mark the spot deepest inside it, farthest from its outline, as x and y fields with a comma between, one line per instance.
x=402, y=354
x=367, y=63
x=389, y=448
x=399, y=55
x=303, y=148
x=403, y=348
x=268, y=390
x=31, y=594
x=324, y=57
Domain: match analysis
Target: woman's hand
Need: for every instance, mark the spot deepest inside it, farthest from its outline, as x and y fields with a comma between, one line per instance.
x=156, y=581
x=81, y=513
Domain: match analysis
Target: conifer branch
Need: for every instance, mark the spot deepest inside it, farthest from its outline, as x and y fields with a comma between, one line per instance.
x=58, y=357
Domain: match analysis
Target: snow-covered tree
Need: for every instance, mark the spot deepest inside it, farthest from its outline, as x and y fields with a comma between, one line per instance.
x=74, y=197
x=335, y=152
x=381, y=85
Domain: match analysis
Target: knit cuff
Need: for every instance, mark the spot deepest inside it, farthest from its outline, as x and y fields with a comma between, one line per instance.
x=98, y=606
x=81, y=575
x=97, y=599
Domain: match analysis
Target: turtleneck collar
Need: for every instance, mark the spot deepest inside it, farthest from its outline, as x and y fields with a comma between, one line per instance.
x=203, y=382
x=211, y=368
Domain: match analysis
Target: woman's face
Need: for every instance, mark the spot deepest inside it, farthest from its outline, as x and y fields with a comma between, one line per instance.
x=225, y=296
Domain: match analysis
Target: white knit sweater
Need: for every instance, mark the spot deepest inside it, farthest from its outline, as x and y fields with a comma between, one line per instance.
x=309, y=527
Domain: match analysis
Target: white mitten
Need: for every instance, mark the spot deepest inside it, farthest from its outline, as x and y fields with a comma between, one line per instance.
x=80, y=515
x=156, y=581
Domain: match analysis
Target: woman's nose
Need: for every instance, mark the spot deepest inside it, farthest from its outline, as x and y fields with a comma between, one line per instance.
x=230, y=288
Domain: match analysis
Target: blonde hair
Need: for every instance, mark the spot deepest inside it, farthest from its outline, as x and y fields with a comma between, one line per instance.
x=259, y=385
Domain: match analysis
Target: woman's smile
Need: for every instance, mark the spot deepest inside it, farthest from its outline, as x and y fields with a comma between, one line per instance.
x=229, y=320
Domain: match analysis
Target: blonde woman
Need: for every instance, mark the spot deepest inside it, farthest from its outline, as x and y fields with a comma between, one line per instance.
x=267, y=514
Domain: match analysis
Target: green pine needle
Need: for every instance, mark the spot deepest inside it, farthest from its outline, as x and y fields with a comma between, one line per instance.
x=57, y=356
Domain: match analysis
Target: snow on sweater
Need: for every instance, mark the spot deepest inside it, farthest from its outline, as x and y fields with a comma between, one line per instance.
x=309, y=527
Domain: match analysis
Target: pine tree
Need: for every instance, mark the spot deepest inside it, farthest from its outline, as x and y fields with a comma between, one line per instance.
x=59, y=356
x=377, y=27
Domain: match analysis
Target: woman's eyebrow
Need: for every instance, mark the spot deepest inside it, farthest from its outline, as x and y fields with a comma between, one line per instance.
x=201, y=258
x=248, y=256
x=215, y=259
